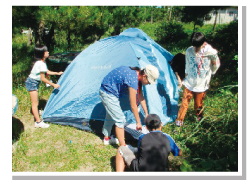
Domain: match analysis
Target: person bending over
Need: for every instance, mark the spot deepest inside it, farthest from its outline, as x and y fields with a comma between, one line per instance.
x=120, y=81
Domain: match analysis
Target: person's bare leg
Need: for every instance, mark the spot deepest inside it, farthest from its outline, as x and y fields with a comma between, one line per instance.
x=119, y=162
x=34, y=102
x=120, y=135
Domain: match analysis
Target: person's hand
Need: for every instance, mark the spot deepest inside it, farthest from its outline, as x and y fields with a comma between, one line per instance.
x=60, y=73
x=138, y=126
x=179, y=84
x=56, y=86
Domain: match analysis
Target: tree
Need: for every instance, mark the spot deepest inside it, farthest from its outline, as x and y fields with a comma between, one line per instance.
x=99, y=22
x=199, y=14
x=176, y=13
x=216, y=8
x=124, y=16
x=196, y=14
x=47, y=17
x=24, y=17
x=70, y=19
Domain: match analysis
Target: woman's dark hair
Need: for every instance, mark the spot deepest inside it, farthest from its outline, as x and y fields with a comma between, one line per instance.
x=197, y=39
x=142, y=71
x=39, y=51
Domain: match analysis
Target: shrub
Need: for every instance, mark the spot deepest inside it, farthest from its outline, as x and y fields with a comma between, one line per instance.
x=170, y=32
x=225, y=40
x=150, y=29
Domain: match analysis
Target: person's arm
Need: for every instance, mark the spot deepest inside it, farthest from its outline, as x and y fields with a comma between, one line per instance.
x=215, y=63
x=179, y=80
x=186, y=63
x=45, y=80
x=54, y=73
x=143, y=103
x=174, y=148
x=132, y=98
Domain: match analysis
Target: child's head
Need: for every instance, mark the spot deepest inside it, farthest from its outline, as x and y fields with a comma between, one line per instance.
x=149, y=74
x=153, y=122
x=197, y=39
x=41, y=52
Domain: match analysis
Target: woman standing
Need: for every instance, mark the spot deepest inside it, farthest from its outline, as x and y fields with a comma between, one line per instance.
x=114, y=85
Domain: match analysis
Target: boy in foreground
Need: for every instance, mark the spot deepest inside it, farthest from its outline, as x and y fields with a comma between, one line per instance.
x=153, y=149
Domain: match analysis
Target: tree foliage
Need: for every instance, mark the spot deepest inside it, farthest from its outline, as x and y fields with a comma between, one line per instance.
x=23, y=17
x=196, y=14
x=86, y=24
x=170, y=33
x=225, y=40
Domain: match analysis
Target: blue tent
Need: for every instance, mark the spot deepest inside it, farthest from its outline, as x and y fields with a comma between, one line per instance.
x=77, y=100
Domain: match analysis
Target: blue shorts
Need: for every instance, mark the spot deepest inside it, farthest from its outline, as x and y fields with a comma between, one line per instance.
x=114, y=113
x=32, y=84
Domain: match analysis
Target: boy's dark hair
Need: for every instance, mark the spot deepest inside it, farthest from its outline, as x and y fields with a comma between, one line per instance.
x=197, y=39
x=39, y=51
x=153, y=121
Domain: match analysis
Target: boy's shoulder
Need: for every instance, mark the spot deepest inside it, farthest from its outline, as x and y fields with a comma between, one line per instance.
x=189, y=49
x=160, y=133
x=209, y=50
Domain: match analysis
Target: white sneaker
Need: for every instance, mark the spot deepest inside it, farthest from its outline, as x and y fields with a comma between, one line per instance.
x=111, y=141
x=179, y=123
x=133, y=149
x=41, y=125
x=127, y=154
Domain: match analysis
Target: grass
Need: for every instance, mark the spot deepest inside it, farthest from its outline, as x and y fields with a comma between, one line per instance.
x=58, y=148
x=66, y=149
x=61, y=148
x=208, y=145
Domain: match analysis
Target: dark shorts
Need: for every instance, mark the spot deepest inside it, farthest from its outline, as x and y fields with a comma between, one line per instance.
x=32, y=84
x=134, y=166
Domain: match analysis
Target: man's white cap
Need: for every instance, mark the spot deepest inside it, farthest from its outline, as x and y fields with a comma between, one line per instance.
x=152, y=73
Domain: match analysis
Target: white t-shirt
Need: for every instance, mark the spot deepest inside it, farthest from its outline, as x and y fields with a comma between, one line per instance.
x=200, y=67
x=39, y=67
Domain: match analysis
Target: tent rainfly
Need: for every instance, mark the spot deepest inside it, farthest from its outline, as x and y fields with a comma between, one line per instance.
x=77, y=101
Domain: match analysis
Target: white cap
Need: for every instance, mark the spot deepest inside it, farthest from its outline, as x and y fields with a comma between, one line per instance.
x=152, y=73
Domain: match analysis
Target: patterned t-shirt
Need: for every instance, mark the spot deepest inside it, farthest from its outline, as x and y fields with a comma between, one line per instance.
x=199, y=67
x=118, y=81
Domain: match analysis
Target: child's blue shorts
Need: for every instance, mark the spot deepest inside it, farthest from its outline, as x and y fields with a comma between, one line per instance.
x=32, y=84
